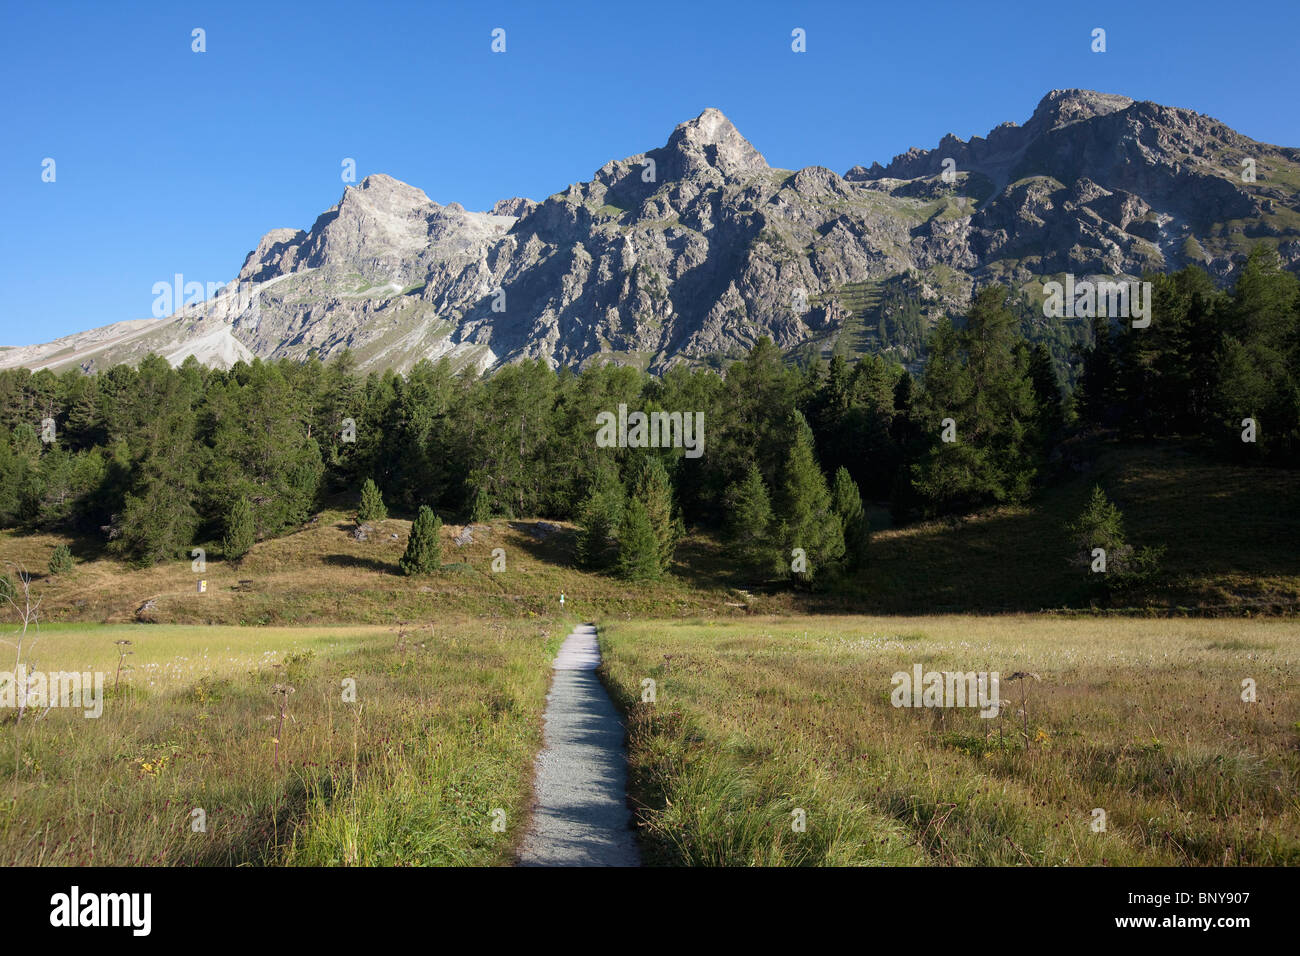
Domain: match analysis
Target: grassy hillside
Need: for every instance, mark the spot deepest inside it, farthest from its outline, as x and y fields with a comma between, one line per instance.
x=1229, y=533
x=1144, y=720
x=323, y=575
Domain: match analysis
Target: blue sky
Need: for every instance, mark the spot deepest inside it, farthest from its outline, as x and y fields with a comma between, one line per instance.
x=173, y=161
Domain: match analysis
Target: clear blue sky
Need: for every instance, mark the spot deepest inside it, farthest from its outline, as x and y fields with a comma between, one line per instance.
x=173, y=161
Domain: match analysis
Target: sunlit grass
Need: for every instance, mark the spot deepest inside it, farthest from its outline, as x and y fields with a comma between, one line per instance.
x=321, y=575
x=179, y=769
x=1141, y=719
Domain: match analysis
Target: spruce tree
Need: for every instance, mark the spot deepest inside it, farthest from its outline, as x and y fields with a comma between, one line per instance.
x=749, y=523
x=13, y=471
x=1047, y=391
x=240, y=530
x=652, y=487
x=158, y=517
x=1096, y=393
x=599, y=518
x=1258, y=364
x=61, y=559
x=847, y=503
x=372, y=503
x=157, y=520
x=260, y=450
x=752, y=420
x=1101, y=525
x=808, y=521
x=481, y=511
x=638, y=548
x=424, y=548
x=978, y=378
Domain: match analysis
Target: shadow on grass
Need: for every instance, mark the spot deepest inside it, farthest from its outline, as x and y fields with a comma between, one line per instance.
x=547, y=541
x=706, y=564
x=366, y=564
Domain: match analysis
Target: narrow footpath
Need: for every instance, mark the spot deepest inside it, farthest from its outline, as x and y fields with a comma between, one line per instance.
x=580, y=814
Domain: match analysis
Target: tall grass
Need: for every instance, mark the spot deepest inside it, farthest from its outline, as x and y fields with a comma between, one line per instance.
x=1140, y=719
x=444, y=729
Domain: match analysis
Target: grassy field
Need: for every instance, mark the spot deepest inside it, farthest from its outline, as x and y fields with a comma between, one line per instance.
x=443, y=731
x=1142, y=719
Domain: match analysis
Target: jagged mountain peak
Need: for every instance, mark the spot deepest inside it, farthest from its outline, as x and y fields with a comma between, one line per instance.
x=1068, y=128
x=384, y=182
x=516, y=206
x=712, y=140
x=711, y=127
x=380, y=191
x=268, y=259
x=381, y=228
x=1063, y=107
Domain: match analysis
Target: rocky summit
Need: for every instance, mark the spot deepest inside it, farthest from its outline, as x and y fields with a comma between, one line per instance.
x=692, y=251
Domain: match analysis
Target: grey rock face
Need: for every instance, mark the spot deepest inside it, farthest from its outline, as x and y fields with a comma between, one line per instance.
x=698, y=247
x=518, y=206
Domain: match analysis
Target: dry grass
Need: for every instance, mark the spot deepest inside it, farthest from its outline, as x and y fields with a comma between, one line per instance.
x=1143, y=719
x=322, y=575
x=444, y=729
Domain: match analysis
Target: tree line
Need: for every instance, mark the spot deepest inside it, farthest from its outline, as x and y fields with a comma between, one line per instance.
x=157, y=459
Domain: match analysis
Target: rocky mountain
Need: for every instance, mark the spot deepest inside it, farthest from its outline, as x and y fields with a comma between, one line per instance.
x=693, y=250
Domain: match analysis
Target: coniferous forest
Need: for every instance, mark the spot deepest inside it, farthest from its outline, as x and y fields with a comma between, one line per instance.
x=158, y=459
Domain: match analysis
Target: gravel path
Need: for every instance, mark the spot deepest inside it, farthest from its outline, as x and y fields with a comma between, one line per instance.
x=580, y=815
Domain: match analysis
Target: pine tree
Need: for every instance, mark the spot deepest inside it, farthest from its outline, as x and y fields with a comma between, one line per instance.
x=61, y=559
x=424, y=548
x=481, y=511
x=599, y=518
x=240, y=531
x=638, y=548
x=847, y=503
x=979, y=378
x=372, y=503
x=1047, y=391
x=807, y=519
x=1101, y=525
x=652, y=487
x=749, y=523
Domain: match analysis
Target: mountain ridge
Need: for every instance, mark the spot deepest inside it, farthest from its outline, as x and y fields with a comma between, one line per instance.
x=692, y=250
